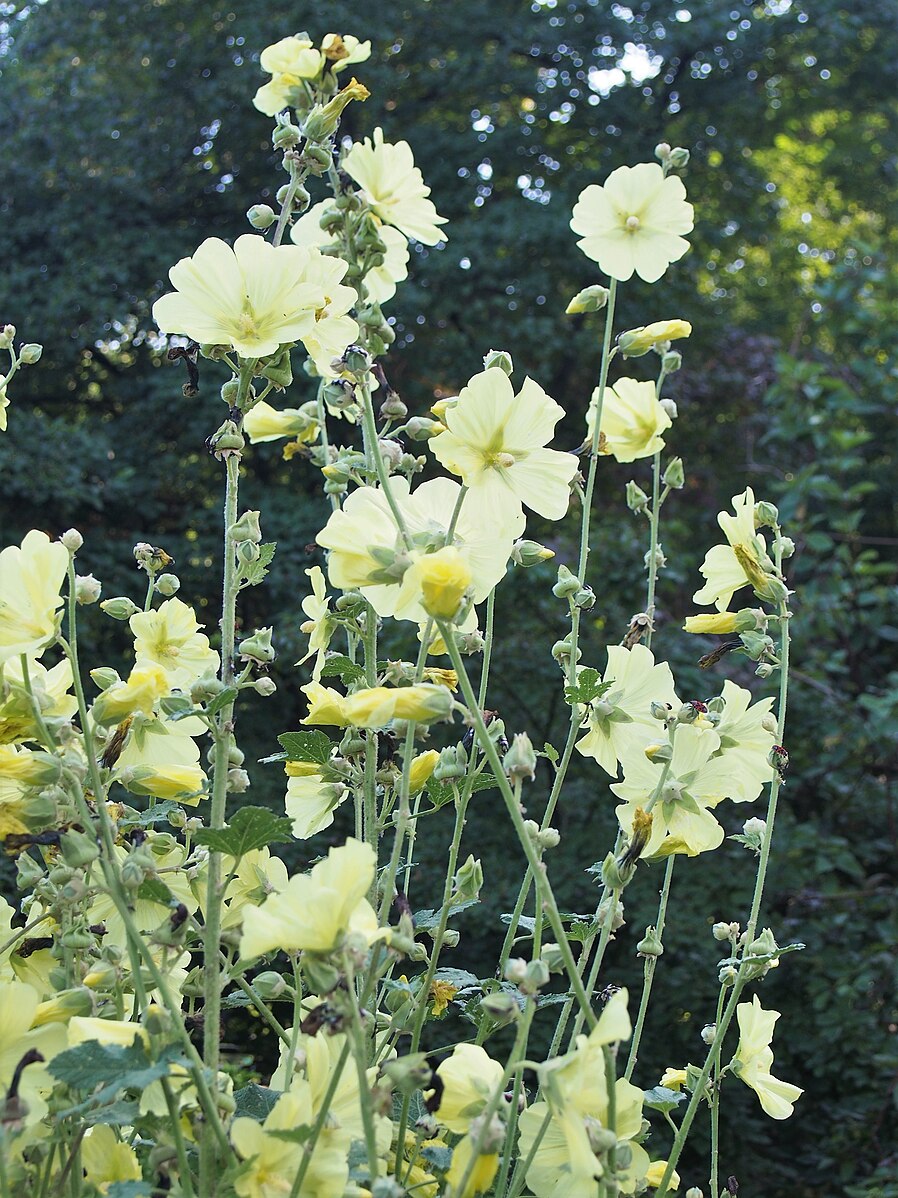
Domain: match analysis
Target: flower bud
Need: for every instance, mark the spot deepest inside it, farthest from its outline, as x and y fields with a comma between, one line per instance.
x=72, y=539
x=78, y=848
x=590, y=299
x=7, y=336
x=662, y=151
x=265, y=687
x=568, y=584
x=451, y=938
x=420, y=428
x=87, y=589
x=671, y=361
x=637, y=500
x=516, y=970
x=62, y=1006
x=247, y=528
x=500, y=1007
x=270, y=985
x=452, y=764
x=723, y=931
x=285, y=135
x=678, y=158
x=168, y=585
x=467, y=881
x=105, y=676
x=634, y=343
x=668, y=406
x=409, y=1073
x=536, y=976
x=500, y=359
x=238, y=782
x=550, y=954
x=658, y=754
x=355, y=361
x=261, y=216
x=660, y=711
x=530, y=553
x=650, y=945
x=120, y=608
x=548, y=838
x=31, y=353
x=393, y=408
x=520, y=760
x=709, y=1031
x=324, y=119
x=258, y=648
x=693, y=1192
x=673, y=476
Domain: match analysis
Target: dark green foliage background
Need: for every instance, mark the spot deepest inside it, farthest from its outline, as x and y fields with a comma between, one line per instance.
x=128, y=136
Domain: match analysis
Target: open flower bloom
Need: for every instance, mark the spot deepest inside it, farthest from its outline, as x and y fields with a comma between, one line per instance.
x=275, y=1160
x=256, y=875
x=470, y=1077
x=316, y=910
x=576, y=1098
x=496, y=441
x=255, y=297
x=394, y=187
x=107, y=1159
x=170, y=637
x=754, y=1056
x=380, y=281
x=266, y=423
x=368, y=552
x=311, y=802
x=621, y=720
x=742, y=562
x=30, y=580
x=333, y=330
x=289, y=62
x=162, y=759
x=632, y=420
x=316, y=627
x=51, y=690
x=441, y=579
x=480, y=1176
x=148, y=912
x=695, y=782
x=745, y=742
x=18, y=1005
x=635, y=222
x=138, y=693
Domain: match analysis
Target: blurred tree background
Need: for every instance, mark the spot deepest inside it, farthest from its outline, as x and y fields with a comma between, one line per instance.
x=129, y=136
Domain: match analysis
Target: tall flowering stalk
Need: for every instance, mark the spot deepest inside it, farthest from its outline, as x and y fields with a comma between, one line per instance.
x=154, y=900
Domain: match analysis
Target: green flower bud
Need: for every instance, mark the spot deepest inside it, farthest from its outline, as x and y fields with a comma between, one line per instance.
x=409, y=1073
x=637, y=500
x=467, y=881
x=247, y=528
x=548, y=838
x=500, y=1007
x=723, y=931
x=530, y=553
x=168, y=585
x=590, y=299
x=727, y=975
x=72, y=539
x=285, y=136
x=105, y=676
x=393, y=408
x=709, y=1031
x=265, y=687
x=270, y=985
x=453, y=764
x=673, y=476
x=585, y=598
x=120, y=608
x=693, y=1192
x=87, y=589
x=258, y=647
x=551, y=955
x=355, y=361
x=247, y=552
x=678, y=158
x=520, y=760
x=451, y=938
x=420, y=428
x=536, y=976
x=7, y=336
x=78, y=848
x=668, y=406
x=30, y=354
x=658, y=754
x=660, y=711
x=321, y=976
x=662, y=151
x=568, y=584
x=650, y=945
x=500, y=359
x=671, y=361
x=261, y=216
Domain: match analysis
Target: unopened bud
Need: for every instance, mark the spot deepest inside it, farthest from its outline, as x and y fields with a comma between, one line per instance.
x=549, y=838
x=31, y=353
x=258, y=647
x=247, y=528
x=72, y=539
x=637, y=500
x=650, y=945
x=662, y=151
x=659, y=753
x=671, y=361
x=709, y=1031
x=678, y=158
x=673, y=476
x=87, y=589
x=261, y=216
x=694, y=1192
x=590, y=299
x=393, y=408
x=467, y=881
x=668, y=406
x=520, y=760
x=168, y=585
x=501, y=1007
x=120, y=608
x=500, y=359
x=265, y=687
x=391, y=452
x=7, y=336
x=723, y=931
x=530, y=553
x=660, y=711
x=568, y=584
x=516, y=970
x=421, y=428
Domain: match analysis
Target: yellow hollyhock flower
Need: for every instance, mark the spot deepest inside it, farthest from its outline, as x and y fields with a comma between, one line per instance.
x=379, y=281
x=30, y=580
x=481, y=1175
x=394, y=187
x=18, y=1005
x=311, y=803
x=29, y=768
x=51, y=690
x=316, y=607
x=255, y=297
x=326, y=705
x=107, y=1159
x=470, y=1076
x=754, y=1056
x=442, y=579
x=655, y=1172
x=673, y=1079
x=636, y=342
x=289, y=62
x=332, y=330
x=634, y=223
x=622, y=716
x=264, y=423
x=742, y=562
x=421, y=769
x=745, y=742
x=315, y=910
x=496, y=441
x=256, y=875
x=696, y=781
x=138, y=693
x=170, y=637
x=344, y=50
x=367, y=551
x=632, y=420
x=375, y=706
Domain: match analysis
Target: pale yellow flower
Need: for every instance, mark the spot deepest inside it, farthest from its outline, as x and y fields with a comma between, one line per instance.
x=742, y=562
x=421, y=769
x=161, y=758
x=696, y=781
x=745, y=742
x=441, y=578
x=634, y=222
x=51, y=690
x=368, y=552
x=289, y=62
x=754, y=1057
x=310, y=803
x=655, y=1172
x=266, y=423
x=622, y=716
x=4, y=404
x=673, y=1079
x=394, y=187
x=375, y=706
x=170, y=637
x=316, y=627
x=469, y=1076
x=255, y=297
x=138, y=693
x=496, y=441
x=480, y=1177
x=326, y=705
x=256, y=875
x=333, y=330
x=30, y=768
x=380, y=281
x=632, y=420
x=316, y=910
x=30, y=580
x=18, y=1005
x=636, y=342
x=344, y=50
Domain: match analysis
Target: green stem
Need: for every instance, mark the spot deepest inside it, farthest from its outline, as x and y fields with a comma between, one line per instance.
x=361, y=1056
x=174, y=1123
x=486, y=661
x=715, y=1107
x=649, y=969
x=653, y=547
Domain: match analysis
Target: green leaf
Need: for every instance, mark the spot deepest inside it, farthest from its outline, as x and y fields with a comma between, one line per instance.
x=251, y=828
x=253, y=573
x=307, y=746
x=113, y=1067
x=177, y=705
x=222, y=699
x=440, y=1158
x=551, y=753
x=589, y=686
x=156, y=814
x=256, y=1102
x=340, y=666
x=426, y=921
x=153, y=890
x=117, y=1114
x=462, y=979
x=441, y=793
x=659, y=1098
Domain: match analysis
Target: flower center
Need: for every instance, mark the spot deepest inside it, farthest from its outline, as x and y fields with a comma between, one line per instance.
x=632, y=224
x=501, y=460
